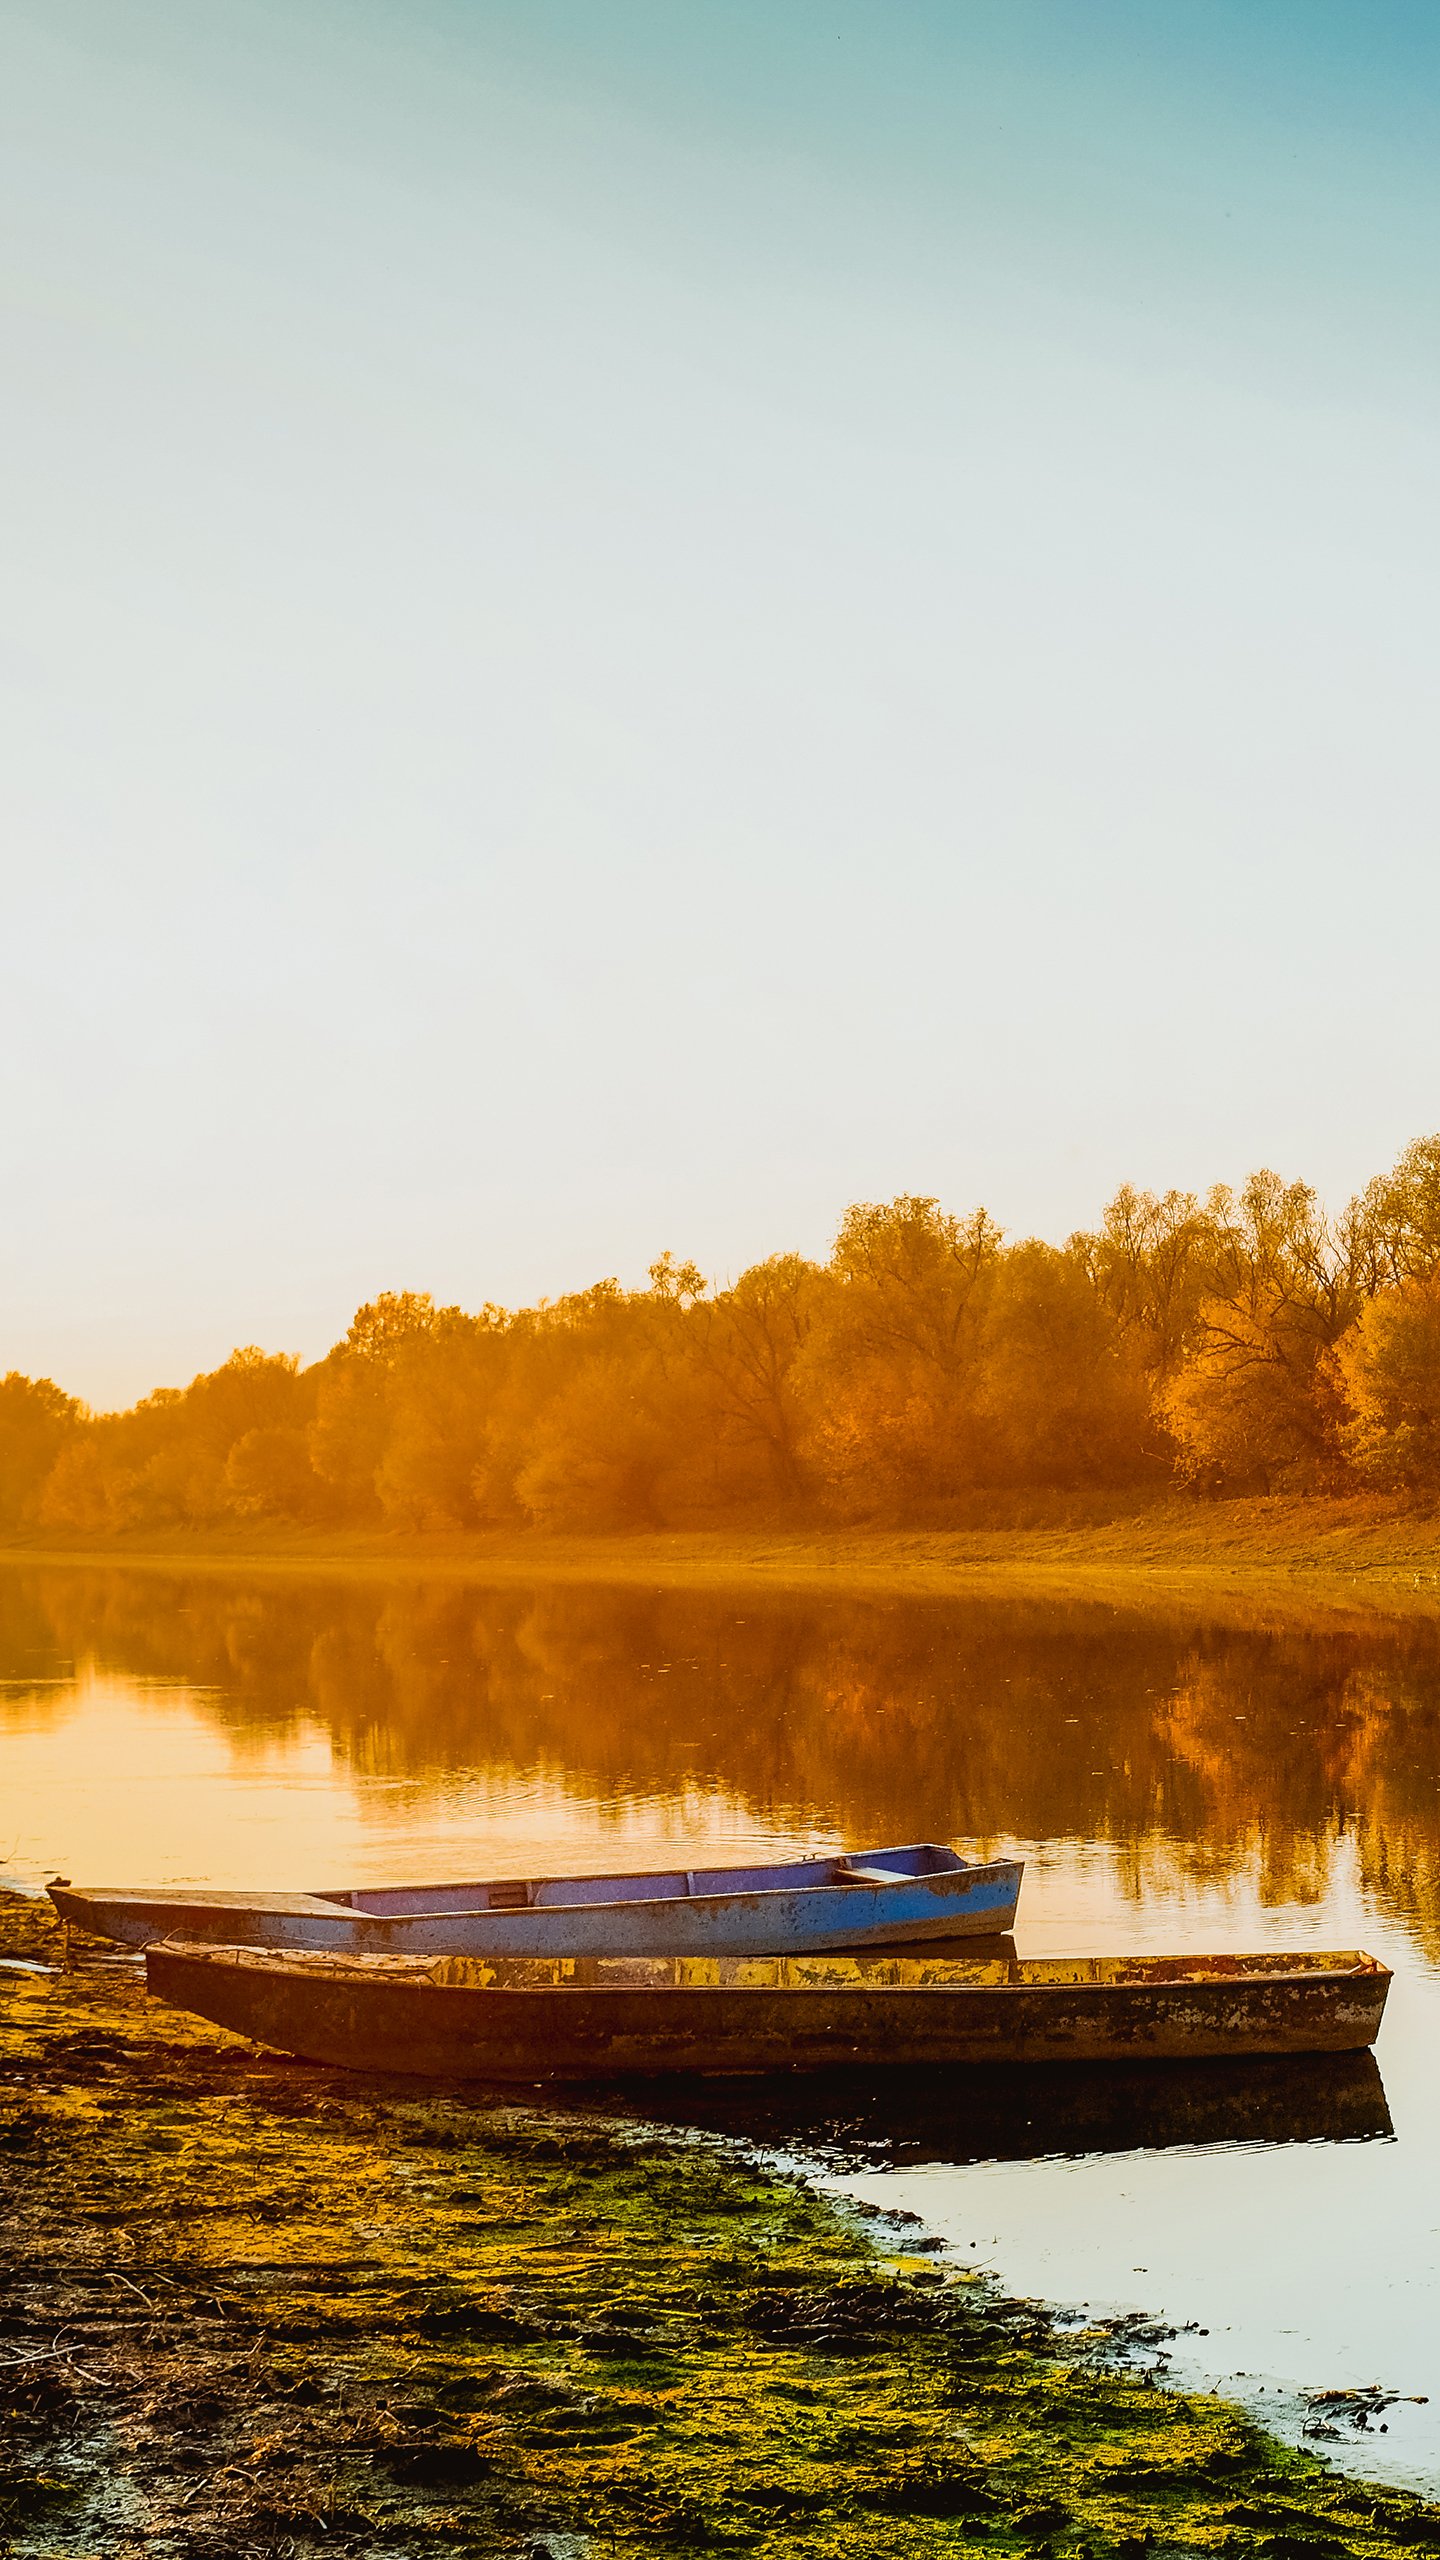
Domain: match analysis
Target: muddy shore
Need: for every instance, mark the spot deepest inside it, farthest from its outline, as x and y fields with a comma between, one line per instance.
x=249, y=2308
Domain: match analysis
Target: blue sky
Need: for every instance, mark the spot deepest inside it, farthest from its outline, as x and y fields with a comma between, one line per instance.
x=626, y=623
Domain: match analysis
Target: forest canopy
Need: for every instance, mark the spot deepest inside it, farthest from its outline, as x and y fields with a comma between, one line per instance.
x=1243, y=1342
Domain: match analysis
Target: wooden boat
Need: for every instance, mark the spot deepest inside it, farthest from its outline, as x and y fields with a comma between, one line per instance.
x=585, y=2018
x=872, y=1897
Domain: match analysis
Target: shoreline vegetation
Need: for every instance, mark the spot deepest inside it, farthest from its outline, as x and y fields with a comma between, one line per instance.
x=255, y=2309
x=1246, y=1343
x=1287, y=1556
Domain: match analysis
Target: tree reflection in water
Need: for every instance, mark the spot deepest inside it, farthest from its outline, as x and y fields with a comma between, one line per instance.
x=1192, y=1750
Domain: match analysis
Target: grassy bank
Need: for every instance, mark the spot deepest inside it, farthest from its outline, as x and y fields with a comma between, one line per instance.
x=253, y=2309
x=1281, y=1556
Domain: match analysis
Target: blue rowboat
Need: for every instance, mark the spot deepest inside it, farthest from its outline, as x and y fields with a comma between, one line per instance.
x=800, y=1906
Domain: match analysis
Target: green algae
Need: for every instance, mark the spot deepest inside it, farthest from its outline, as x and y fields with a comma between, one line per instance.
x=251, y=2308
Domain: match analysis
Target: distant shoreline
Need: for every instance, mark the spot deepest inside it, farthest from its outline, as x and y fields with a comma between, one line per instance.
x=1346, y=1557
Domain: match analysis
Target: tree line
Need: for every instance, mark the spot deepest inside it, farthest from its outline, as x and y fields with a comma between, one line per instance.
x=1243, y=1342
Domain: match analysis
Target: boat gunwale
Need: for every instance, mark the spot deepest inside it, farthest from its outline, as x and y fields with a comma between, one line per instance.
x=831, y=1858
x=333, y=1907
x=1217, y=1972
x=966, y=1873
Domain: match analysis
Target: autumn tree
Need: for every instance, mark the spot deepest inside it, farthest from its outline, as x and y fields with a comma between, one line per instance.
x=442, y=1386
x=353, y=1397
x=36, y=1421
x=76, y=1493
x=1063, y=1385
x=1153, y=1263
x=628, y=1437
x=1395, y=1221
x=548, y=1347
x=891, y=1372
x=1389, y=1368
x=1254, y=1407
x=750, y=1342
x=268, y=1475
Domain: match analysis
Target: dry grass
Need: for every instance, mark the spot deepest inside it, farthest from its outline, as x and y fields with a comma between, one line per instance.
x=1277, y=1558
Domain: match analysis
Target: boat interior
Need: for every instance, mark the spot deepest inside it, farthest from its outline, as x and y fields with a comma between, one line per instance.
x=997, y=1968
x=680, y=1884
x=993, y=1967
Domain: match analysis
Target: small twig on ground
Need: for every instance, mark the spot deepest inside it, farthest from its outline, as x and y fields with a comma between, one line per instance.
x=116, y=2278
x=50, y=2355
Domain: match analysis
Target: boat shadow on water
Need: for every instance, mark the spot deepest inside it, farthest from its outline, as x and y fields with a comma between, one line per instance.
x=1035, y=2111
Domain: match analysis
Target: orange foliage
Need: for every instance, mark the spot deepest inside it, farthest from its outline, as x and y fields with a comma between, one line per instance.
x=37, y=1423
x=1389, y=1366
x=1240, y=1342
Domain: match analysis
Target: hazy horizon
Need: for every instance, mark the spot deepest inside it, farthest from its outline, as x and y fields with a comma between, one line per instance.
x=628, y=625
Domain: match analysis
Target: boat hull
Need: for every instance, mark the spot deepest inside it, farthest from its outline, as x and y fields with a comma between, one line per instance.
x=457, y=2019
x=959, y=1902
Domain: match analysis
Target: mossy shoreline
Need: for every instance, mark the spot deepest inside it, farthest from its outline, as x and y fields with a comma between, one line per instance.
x=1279, y=1558
x=253, y=2309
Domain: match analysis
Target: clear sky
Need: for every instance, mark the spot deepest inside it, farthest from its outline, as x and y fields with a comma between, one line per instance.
x=627, y=620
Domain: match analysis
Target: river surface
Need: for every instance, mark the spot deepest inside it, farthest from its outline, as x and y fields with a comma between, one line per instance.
x=1172, y=1784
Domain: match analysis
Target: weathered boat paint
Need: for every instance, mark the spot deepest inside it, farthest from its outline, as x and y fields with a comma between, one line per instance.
x=872, y=1897
x=583, y=2018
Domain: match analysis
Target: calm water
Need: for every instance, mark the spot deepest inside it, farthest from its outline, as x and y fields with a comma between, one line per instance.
x=1171, y=1783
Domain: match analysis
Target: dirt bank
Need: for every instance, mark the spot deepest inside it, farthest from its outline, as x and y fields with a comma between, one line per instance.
x=249, y=2309
x=1277, y=1559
